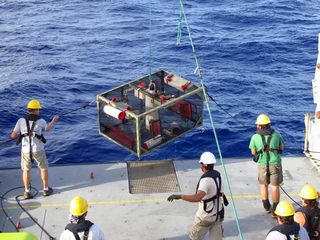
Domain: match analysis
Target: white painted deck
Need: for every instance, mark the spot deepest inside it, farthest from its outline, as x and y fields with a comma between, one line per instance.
x=124, y=216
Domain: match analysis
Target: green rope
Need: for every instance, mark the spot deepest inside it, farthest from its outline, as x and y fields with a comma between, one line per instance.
x=179, y=27
x=198, y=70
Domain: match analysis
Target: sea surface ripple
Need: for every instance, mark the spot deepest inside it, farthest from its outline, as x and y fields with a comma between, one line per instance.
x=256, y=56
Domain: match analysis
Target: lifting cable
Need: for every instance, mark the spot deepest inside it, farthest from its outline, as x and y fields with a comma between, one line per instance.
x=61, y=114
x=198, y=71
x=150, y=41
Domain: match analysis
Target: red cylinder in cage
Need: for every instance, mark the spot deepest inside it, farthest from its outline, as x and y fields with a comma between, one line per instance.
x=152, y=142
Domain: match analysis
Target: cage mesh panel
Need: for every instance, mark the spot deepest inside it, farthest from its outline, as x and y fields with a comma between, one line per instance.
x=157, y=176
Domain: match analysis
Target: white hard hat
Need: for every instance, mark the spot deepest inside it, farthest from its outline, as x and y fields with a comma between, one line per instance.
x=207, y=158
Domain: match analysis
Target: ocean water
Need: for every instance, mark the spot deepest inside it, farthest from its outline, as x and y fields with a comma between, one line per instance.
x=256, y=56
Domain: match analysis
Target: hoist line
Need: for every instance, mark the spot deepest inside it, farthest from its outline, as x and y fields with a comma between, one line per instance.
x=212, y=122
x=206, y=96
x=179, y=28
x=150, y=40
x=197, y=70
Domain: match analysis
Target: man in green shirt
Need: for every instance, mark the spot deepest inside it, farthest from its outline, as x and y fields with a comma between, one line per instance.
x=266, y=145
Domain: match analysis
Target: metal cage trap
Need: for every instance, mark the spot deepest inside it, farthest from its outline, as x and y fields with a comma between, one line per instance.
x=149, y=112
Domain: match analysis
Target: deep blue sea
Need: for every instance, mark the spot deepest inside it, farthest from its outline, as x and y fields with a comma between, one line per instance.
x=257, y=56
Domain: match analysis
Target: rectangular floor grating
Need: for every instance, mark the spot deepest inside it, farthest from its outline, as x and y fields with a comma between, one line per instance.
x=156, y=176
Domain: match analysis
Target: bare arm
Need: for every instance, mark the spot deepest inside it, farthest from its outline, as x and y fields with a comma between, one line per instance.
x=14, y=135
x=253, y=151
x=300, y=218
x=195, y=197
x=50, y=125
x=282, y=147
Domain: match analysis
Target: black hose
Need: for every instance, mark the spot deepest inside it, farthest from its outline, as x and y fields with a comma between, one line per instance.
x=2, y=197
x=35, y=221
x=2, y=207
x=289, y=196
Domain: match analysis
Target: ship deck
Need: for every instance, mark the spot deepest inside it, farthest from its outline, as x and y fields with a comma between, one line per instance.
x=123, y=215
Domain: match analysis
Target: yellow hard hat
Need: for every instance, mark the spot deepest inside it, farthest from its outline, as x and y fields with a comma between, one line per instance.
x=308, y=192
x=263, y=119
x=284, y=209
x=34, y=104
x=78, y=206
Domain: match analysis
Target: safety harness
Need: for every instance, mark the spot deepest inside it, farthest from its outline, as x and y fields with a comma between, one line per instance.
x=312, y=222
x=290, y=230
x=266, y=146
x=33, y=118
x=80, y=227
x=30, y=132
x=215, y=175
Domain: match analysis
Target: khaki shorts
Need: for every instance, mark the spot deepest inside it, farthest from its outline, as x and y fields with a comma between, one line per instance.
x=200, y=228
x=274, y=176
x=39, y=157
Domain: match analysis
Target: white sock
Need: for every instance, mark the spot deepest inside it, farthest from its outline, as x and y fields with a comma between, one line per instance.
x=27, y=190
x=46, y=189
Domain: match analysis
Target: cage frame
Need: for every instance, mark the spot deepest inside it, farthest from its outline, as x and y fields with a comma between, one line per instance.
x=140, y=151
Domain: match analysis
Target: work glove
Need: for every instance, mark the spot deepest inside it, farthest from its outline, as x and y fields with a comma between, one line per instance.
x=174, y=197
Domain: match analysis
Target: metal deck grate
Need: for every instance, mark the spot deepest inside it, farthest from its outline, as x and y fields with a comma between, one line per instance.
x=156, y=176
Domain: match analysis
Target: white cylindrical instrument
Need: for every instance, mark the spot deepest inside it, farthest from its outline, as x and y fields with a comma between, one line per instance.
x=177, y=82
x=114, y=112
x=149, y=104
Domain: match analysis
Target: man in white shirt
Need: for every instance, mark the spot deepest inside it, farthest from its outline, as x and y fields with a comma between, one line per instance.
x=28, y=130
x=210, y=214
x=79, y=228
x=287, y=229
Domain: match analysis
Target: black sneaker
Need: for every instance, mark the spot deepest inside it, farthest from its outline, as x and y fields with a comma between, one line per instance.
x=268, y=210
x=266, y=205
x=27, y=195
x=47, y=192
x=273, y=215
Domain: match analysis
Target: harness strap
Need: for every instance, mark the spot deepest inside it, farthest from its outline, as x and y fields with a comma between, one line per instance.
x=215, y=175
x=291, y=231
x=30, y=135
x=266, y=148
x=212, y=199
x=40, y=137
x=80, y=227
x=218, y=194
x=76, y=235
x=277, y=150
x=85, y=235
x=312, y=221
